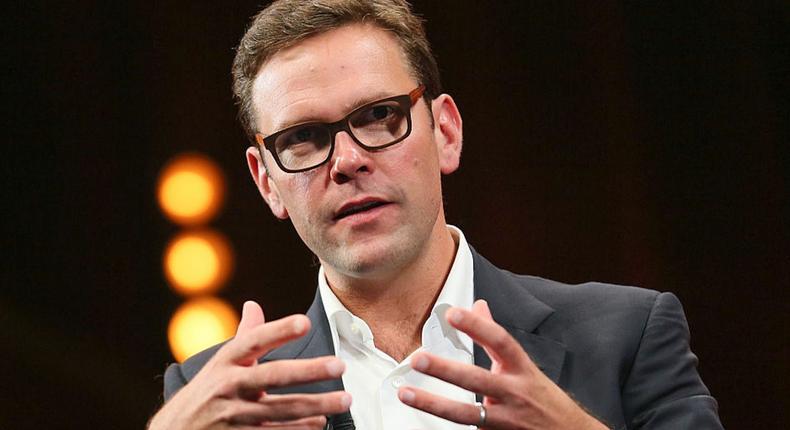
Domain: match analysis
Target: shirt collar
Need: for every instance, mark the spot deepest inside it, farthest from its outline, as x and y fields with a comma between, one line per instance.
x=336, y=313
x=458, y=291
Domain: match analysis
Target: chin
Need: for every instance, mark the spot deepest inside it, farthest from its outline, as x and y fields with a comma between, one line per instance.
x=371, y=258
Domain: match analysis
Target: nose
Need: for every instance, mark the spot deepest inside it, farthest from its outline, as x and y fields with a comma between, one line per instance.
x=349, y=160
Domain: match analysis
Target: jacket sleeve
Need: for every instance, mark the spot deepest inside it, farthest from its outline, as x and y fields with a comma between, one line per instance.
x=174, y=380
x=663, y=389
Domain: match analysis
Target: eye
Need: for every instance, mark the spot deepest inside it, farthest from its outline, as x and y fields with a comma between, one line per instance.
x=377, y=114
x=308, y=134
x=302, y=135
x=381, y=112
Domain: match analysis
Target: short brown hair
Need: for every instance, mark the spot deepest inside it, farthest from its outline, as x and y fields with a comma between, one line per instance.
x=287, y=22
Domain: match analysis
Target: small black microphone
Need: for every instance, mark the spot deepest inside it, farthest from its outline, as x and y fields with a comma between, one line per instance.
x=340, y=422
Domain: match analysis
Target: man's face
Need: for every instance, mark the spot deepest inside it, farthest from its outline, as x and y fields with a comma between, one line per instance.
x=322, y=79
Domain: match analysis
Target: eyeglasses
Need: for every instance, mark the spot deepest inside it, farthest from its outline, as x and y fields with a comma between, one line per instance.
x=374, y=126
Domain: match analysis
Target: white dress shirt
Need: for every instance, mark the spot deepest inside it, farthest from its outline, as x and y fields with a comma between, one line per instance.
x=373, y=377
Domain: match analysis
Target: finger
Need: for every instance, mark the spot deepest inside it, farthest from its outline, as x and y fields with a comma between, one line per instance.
x=261, y=415
x=251, y=316
x=283, y=373
x=499, y=344
x=480, y=307
x=310, y=423
x=257, y=341
x=455, y=411
x=467, y=376
x=286, y=407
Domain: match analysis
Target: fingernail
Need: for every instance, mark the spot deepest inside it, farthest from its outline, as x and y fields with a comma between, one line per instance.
x=455, y=316
x=406, y=396
x=345, y=400
x=299, y=325
x=421, y=363
x=335, y=367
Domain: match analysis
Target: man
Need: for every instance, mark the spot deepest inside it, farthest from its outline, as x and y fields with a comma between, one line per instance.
x=352, y=136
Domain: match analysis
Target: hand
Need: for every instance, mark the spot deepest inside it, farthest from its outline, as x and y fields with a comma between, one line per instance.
x=230, y=390
x=517, y=395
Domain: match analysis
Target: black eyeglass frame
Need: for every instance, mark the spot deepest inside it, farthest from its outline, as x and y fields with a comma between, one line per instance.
x=406, y=101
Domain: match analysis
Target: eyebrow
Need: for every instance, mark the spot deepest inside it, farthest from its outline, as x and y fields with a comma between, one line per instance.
x=356, y=104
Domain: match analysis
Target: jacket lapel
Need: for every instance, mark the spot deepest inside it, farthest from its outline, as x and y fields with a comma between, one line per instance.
x=519, y=312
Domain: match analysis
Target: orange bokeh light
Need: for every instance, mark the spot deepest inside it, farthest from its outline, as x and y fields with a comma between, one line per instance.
x=190, y=189
x=199, y=324
x=198, y=262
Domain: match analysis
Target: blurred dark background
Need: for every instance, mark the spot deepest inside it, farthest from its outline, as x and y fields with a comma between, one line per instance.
x=629, y=142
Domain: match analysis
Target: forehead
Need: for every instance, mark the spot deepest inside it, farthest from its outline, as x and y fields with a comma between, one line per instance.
x=326, y=75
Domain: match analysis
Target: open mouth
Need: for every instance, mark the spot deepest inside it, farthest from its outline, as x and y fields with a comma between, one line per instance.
x=362, y=207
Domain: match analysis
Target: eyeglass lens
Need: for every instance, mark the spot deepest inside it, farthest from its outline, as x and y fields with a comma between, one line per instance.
x=374, y=125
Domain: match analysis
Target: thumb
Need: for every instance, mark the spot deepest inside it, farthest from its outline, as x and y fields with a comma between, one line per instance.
x=251, y=316
x=480, y=307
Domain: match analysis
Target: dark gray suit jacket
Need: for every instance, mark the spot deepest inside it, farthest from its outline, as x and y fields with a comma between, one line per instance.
x=621, y=352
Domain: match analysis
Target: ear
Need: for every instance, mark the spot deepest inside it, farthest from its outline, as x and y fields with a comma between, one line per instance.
x=265, y=184
x=448, y=132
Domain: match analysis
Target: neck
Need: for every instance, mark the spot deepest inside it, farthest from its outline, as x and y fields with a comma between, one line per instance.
x=401, y=301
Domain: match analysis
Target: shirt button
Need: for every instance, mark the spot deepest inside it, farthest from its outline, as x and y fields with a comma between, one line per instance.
x=354, y=329
x=397, y=382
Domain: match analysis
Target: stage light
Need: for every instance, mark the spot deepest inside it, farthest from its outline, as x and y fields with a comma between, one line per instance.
x=190, y=189
x=199, y=324
x=198, y=262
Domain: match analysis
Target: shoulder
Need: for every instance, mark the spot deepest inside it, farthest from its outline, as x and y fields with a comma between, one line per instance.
x=578, y=299
x=590, y=315
x=588, y=297
x=597, y=313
